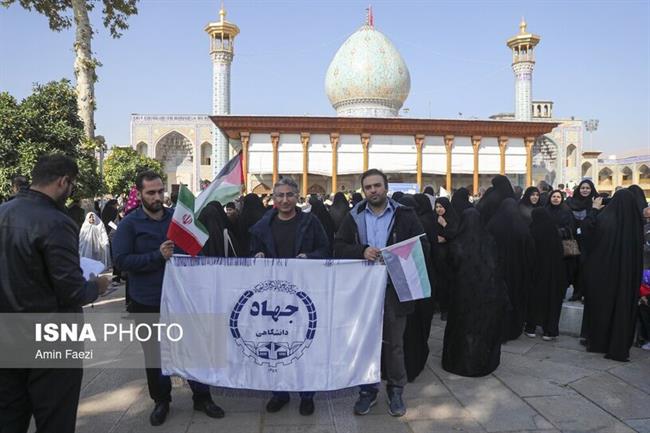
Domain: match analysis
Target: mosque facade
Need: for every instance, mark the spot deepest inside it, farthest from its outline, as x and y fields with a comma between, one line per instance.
x=367, y=83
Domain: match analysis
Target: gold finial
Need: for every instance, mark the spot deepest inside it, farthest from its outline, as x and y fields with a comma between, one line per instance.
x=222, y=12
x=522, y=26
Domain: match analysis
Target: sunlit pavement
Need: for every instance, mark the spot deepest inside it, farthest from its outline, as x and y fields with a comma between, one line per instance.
x=539, y=387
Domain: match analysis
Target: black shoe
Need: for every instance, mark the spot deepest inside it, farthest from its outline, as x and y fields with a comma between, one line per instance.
x=276, y=403
x=443, y=316
x=209, y=408
x=306, y=406
x=159, y=413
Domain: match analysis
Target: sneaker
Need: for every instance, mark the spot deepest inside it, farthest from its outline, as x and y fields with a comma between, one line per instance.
x=366, y=400
x=530, y=334
x=548, y=338
x=276, y=404
x=646, y=346
x=306, y=406
x=396, y=406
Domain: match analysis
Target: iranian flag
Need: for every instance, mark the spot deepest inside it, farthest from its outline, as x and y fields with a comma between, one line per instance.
x=185, y=230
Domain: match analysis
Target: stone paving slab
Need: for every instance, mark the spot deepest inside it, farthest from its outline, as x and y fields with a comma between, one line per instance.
x=614, y=395
x=574, y=414
x=640, y=425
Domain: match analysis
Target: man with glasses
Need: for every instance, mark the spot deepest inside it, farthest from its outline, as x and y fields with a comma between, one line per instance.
x=41, y=274
x=286, y=232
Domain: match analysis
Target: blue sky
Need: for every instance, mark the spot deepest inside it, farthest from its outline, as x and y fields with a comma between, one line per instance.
x=592, y=61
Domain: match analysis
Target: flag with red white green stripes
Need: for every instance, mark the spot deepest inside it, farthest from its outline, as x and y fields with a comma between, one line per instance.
x=185, y=230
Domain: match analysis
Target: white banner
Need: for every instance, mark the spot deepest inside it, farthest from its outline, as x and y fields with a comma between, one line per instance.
x=274, y=324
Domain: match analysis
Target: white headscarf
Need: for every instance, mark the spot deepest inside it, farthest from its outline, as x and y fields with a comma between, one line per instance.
x=93, y=240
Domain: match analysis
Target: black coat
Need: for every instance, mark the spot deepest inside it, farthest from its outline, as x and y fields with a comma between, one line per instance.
x=348, y=243
x=310, y=240
x=41, y=273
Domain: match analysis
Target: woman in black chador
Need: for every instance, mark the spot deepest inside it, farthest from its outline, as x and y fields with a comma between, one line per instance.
x=446, y=226
x=613, y=276
x=460, y=201
x=418, y=323
x=472, y=343
x=500, y=190
x=516, y=251
x=251, y=212
x=215, y=220
x=339, y=209
x=549, y=277
x=528, y=202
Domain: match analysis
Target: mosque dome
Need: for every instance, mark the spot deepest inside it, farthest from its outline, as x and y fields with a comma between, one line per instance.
x=367, y=77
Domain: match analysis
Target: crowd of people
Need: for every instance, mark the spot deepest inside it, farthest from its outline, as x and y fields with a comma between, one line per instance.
x=500, y=266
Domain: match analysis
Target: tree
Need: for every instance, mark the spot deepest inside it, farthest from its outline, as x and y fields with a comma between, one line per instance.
x=44, y=122
x=115, y=13
x=123, y=165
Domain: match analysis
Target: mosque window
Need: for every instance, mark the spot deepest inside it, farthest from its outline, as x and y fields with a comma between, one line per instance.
x=206, y=153
x=644, y=175
x=626, y=173
x=605, y=177
x=142, y=148
x=587, y=170
x=571, y=156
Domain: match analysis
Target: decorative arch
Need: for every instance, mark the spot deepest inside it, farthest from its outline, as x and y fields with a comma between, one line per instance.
x=142, y=148
x=644, y=175
x=627, y=176
x=571, y=155
x=587, y=170
x=206, y=153
x=174, y=149
x=606, y=177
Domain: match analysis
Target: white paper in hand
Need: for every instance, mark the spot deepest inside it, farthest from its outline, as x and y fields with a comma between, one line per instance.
x=90, y=266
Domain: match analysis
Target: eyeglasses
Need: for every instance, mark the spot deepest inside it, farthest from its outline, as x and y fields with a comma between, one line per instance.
x=281, y=195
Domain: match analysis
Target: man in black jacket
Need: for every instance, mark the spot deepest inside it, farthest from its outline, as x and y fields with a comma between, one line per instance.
x=40, y=272
x=286, y=232
x=371, y=225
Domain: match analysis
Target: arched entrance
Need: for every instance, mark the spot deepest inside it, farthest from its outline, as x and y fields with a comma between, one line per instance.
x=587, y=170
x=544, y=160
x=175, y=151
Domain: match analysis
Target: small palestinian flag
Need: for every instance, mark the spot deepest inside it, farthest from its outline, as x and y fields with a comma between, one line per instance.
x=185, y=230
x=225, y=187
x=407, y=269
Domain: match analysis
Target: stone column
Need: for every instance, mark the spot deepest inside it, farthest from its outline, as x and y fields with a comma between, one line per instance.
x=503, y=144
x=419, y=143
x=365, y=142
x=449, y=144
x=334, y=140
x=275, y=141
x=476, y=144
x=529, y=141
x=304, y=139
x=245, y=140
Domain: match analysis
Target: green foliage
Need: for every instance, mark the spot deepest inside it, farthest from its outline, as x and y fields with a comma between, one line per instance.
x=59, y=12
x=44, y=122
x=123, y=165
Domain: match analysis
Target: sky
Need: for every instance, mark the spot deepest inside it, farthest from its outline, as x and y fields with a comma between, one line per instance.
x=592, y=61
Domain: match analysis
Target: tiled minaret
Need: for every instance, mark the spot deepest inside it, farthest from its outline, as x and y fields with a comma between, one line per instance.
x=523, y=62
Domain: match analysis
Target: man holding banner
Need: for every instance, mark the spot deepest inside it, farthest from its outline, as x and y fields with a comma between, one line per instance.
x=286, y=232
x=371, y=225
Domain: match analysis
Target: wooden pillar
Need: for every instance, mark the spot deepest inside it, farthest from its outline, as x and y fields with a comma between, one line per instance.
x=365, y=142
x=449, y=144
x=304, y=138
x=476, y=144
x=529, y=141
x=419, y=143
x=503, y=144
x=334, y=140
x=245, y=140
x=275, y=141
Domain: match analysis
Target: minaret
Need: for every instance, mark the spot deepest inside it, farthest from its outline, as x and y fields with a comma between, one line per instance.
x=222, y=36
x=523, y=62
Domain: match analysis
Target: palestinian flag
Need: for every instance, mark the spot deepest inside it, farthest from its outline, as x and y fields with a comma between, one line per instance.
x=407, y=269
x=185, y=230
x=225, y=187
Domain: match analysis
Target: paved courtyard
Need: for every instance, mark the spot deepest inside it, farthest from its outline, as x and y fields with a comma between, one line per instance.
x=539, y=387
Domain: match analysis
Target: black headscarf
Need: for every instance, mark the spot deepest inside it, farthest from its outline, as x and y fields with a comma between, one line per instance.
x=526, y=206
x=612, y=277
x=252, y=211
x=215, y=220
x=460, y=200
x=339, y=209
x=577, y=202
x=356, y=198
x=427, y=217
x=500, y=190
x=561, y=215
x=429, y=190
x=319, y=211
x=109, y=213
x=397, y=195
x=639, y=195
x=450, y=214
x=409, y=201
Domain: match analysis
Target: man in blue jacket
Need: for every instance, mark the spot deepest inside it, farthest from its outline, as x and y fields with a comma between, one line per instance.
x=141, y=248
x=286, y=232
